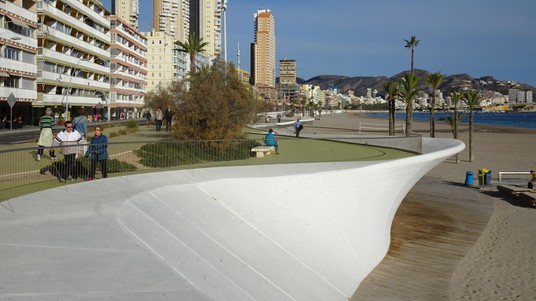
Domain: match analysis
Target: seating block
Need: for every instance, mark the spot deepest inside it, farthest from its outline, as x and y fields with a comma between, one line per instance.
x=262, y=150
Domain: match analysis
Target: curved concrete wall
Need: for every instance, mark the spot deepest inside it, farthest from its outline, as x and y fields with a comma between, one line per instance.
x=278, y=232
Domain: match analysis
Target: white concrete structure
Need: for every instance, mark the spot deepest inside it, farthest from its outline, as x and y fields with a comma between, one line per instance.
x=271, y=232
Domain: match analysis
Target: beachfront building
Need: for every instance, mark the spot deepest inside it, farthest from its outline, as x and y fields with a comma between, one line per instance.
x=160, y=57
x=172, y=17
x=128, y=65
x=263, y=54
x=18, y=69
x=206, y=23
x=73, y=60
x=128, y=10
x=287, y=72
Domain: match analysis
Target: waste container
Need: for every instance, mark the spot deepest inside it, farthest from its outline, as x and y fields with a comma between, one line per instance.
x=469, y=178
x=487, y=178
x=482, y=176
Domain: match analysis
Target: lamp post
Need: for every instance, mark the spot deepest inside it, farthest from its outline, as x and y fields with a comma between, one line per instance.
x=224, y=10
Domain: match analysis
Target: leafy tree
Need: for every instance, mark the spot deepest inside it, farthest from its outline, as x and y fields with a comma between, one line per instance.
x=408, y=92
x=216, y=106
x=411, y=44
x=434, y=80
x=393, y=92
x=193, y=46
x=473, y=99
x=163, y=96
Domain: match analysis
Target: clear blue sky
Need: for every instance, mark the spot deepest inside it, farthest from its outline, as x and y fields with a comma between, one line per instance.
x=366, y=38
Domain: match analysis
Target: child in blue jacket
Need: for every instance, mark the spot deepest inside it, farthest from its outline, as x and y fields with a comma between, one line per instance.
x=97, y=151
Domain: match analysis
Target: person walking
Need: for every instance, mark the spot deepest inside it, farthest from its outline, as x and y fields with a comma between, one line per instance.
x=298, y=127
x=270, y=140
x=169, y=117
x=147, y=117
x=46, y=124
x=97, y=153
x=68, y=139
x=278, y=118
x=158, y=116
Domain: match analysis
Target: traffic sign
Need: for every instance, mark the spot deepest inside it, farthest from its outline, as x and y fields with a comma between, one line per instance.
x=11, y=100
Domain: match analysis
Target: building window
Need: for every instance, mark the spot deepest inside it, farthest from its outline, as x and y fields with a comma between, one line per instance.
x=12, y=81
x=12, y=53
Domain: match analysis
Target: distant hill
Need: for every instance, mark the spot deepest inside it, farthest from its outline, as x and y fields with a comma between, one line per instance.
x=359, y=84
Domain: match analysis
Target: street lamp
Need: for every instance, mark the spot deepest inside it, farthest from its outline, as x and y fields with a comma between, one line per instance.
x=224, y=10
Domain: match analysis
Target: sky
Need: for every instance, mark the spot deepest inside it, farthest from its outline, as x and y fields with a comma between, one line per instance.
x=366, y=37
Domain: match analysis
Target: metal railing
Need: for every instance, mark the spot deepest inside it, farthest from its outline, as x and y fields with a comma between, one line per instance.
x=21, y=173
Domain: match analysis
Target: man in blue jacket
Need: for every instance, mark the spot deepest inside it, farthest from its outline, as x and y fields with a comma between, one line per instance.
x=97, y=152
x=270, y=140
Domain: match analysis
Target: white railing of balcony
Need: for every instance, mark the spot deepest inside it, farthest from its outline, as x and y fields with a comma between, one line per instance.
x=19, y=11
x=76, y=61
x=65, y=38
x=28, y=41
x=89, y=12
x=18, y=65
x=19, y=93
x=60, y=15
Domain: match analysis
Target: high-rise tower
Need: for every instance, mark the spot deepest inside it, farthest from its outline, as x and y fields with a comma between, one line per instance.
x=128, y=10
x=172, y=17
x=205, y=22
x=263, y=53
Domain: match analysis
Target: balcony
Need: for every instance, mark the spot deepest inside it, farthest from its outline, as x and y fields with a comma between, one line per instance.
x=19, y=11
x=19, y=93
x=18, y=65
x=63, y=38
x=74, y=61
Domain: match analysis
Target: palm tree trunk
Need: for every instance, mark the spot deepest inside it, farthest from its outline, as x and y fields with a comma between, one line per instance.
x=409, y=117
x=392, y=118
x=412, y=53
x=471, y=154
x=432, y=117
x=192, y=63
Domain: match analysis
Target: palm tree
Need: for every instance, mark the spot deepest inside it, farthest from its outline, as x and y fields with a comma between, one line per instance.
x=434, y=80
x=411, y=44
x=193, y=46
x=408, y=91
x=393, y=92
x=472, y=99
x=456, y=98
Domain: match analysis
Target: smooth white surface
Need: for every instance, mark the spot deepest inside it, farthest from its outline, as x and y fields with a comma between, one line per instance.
x=274, y=232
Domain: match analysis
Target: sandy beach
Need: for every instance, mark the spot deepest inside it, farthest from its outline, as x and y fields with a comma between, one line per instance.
x=500, y=262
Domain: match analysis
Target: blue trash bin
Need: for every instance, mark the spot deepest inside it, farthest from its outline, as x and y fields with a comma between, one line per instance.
x=469, y=178
x=487, y=178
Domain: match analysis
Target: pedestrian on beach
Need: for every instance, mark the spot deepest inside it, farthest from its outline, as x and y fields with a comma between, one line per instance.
x=69, y=140
x=270, y=140
x=46, y=124
x=97, y=153
x=169, y=117
x=158, y=116
x=298, y=127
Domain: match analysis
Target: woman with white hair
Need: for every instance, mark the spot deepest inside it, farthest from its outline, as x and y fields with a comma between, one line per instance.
x=46, y=124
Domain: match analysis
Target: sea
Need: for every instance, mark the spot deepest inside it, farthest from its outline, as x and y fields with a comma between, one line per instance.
x=509, y=119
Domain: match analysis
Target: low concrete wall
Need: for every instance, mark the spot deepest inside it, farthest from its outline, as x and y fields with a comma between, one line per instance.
x=280, y=232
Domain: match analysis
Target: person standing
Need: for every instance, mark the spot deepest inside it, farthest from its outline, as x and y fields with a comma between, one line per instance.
x=169, y=117
x=298, y=127
x=80, y=123
x=68, y=139
x=97, y=152
x=158, y=116
x=270, y=140
x=147, y=117
x=46, y=124
x=278, y=117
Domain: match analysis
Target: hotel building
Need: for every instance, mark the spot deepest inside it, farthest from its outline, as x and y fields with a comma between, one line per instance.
x=18, y=49
x=128, y=65
x=263, y=54
x=73, y=60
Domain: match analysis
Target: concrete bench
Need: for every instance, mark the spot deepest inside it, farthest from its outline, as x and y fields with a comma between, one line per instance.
x=262, y=150
x=517, y=173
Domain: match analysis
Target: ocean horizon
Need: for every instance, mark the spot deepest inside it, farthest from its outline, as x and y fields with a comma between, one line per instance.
x=510, y=119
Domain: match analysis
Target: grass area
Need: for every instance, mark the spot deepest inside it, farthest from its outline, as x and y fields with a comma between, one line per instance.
x=20, y=173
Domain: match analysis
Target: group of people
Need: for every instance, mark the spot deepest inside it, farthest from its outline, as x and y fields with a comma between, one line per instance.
x=72, y=139
x=159, y=117
x=271, y=140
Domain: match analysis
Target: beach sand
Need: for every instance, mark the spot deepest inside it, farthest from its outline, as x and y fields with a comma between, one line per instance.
x=494, y=254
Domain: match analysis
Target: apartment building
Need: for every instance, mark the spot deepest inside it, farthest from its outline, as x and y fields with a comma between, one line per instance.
x=18, y=69
x=128, y=10
x=206, y=23
x=161, y=57
x=128, y=66
x=73, y=61
x=287, y=72
x=172, y=17
x=263, y=54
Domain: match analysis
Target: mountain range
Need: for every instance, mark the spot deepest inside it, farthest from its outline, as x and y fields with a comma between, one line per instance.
x=359, y=84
